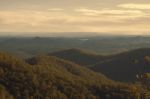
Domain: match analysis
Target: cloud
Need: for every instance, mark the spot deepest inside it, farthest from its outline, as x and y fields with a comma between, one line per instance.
x=104, y=20
x=135, y=6
x=114, y=14
x=108, y=12
x=55, y=9
x=31, y=18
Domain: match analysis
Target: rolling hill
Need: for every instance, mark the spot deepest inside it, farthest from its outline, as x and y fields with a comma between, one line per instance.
x=104, y=45
x=125, y=66
x=78, y=56
x=46, y=77
x=122, y=67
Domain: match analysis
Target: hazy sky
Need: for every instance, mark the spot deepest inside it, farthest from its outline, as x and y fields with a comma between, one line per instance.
x=103, y=16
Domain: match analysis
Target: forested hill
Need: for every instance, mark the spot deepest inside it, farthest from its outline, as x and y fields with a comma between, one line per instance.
x=106, y=45
x=79, y=56
x=46, y=77
x=125, y=66
x=122, y=67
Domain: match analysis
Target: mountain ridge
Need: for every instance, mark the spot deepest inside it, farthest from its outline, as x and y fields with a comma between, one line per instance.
x=78, y=56
x=114, y=66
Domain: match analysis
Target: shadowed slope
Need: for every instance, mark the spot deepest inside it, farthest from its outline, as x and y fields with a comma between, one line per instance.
x=125, y=66
x=78, y=56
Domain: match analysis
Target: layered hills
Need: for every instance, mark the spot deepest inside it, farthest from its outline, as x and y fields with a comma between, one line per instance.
x=48, y=77
x=79, y=56
x=123, y=67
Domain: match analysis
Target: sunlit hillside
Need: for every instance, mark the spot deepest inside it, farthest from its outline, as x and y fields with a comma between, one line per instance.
x=48, y=77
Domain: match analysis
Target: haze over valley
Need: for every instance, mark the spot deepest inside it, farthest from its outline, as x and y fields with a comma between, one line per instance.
x=74, y=49
x=107, y=61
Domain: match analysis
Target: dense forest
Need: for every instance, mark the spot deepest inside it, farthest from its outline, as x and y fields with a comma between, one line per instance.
x=48, y=77
x=126, y=64
x=74, y=49
x=61, y=68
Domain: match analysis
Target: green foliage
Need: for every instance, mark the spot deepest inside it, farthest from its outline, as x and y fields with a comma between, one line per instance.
x=145, y=80
x=147, y=58
x=45, y=77
x=4, y=94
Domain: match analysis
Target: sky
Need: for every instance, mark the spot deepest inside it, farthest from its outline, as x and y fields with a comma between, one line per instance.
x=42, y=17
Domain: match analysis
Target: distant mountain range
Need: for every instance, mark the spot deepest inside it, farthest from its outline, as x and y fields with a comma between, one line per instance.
x=74, y=68
x=104, y=45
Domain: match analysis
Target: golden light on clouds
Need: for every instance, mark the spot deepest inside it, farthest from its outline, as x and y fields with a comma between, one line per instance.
x=56, y=9
x=115, y=18
x=135, y=6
